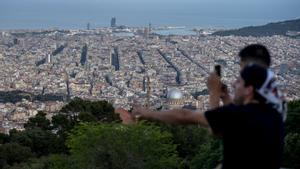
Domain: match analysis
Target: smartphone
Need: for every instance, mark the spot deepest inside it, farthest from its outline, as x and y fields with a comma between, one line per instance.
x=218, y=70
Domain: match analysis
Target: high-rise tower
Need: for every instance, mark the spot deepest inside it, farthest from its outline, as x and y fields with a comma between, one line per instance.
x=88, y=26
x=113, y=22
x=150, y=27
x=49, y=58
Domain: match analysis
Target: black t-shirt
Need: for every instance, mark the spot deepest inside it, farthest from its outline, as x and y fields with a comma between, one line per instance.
x=252, y=135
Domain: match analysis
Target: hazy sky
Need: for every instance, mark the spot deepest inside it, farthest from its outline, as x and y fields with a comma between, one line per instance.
x=176, y=12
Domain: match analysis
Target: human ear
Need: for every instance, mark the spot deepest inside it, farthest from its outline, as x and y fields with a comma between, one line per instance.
x=249, y=90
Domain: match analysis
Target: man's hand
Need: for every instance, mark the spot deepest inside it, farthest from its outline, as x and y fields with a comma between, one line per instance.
x=225, y=97
x=139, y=112
x=173, y=116
x=127, y=117
x=214, y=86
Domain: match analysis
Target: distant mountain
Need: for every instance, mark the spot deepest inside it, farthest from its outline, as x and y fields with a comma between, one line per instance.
x=289, y=28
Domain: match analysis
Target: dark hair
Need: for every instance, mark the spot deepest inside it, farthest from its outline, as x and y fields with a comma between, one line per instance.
x=256, y=53
x=255, y=75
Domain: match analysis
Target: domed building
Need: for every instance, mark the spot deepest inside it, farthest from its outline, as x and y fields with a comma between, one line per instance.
x=174, y=94
x=175, y=99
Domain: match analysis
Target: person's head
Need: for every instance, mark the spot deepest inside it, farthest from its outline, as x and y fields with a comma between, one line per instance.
x=251, y=79
x=255, y=54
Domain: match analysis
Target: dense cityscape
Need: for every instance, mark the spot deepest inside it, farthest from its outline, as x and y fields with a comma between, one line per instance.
x=48, y=68
x=151, y=84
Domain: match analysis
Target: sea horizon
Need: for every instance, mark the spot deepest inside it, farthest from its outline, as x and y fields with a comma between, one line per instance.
x=76, y=14
x=227, y=24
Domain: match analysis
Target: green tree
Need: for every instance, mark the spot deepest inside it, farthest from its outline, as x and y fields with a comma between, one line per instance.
x=87, y=117
x=4, y=138
x=11, y=153
x=39, y=121
x=117, y=146
x=101, y=110
x=61, y=126
x=60, y=161
x=189, y=140
x=77, y=111
x=209, y=155
x=291, y=156
x=292, y=151
x=60, y=122
x=292, y=123
x=41, y=142
x=54, y=161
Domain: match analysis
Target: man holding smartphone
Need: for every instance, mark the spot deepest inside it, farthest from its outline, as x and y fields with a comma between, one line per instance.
x=251, y=130
x=258, y=54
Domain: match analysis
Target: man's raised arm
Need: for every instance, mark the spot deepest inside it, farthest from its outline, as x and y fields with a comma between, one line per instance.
x=175, y=116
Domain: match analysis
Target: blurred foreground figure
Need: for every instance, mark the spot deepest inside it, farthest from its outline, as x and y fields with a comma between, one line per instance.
x=251, y=129
x=258, y=54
